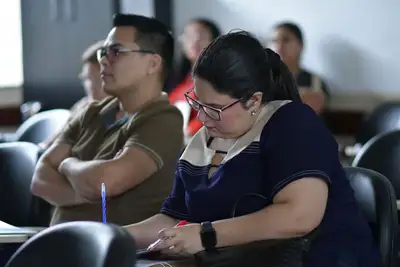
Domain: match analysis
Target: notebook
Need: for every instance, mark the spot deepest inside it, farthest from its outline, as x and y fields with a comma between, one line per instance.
x=7, y=229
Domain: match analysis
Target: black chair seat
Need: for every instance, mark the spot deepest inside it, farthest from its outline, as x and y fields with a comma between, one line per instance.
x=377, y=201
x=17, y=204
x=77, y=244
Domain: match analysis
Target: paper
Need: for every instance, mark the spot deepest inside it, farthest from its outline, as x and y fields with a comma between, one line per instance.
x=7, y=229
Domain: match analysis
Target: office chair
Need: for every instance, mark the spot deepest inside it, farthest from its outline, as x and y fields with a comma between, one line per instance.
x=384, y=118
x=77, y=244
x=377, y=201
x=39, y=127
x=17, y=204
x=382, y=154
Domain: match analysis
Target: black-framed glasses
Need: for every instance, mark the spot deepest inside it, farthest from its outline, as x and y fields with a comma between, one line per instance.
x=112, y=52
x=212, y=112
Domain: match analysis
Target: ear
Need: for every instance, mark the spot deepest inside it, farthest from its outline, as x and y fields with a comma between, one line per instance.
x=155, y=64
x=254, y=103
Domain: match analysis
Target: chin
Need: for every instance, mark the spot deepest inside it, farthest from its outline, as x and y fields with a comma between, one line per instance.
x=109, y=90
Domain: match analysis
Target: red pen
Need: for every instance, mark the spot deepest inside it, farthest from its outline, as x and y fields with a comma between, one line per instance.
x=159, y=241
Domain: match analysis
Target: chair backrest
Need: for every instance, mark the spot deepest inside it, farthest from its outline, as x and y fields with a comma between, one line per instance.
x=77, y=244
x=382, y=154
x=377, y=201
x=17, y=204
x=384, y=118
x=42, y=125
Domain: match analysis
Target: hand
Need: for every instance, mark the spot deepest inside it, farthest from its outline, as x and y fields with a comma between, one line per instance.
x=182, y=240
x=64, y=164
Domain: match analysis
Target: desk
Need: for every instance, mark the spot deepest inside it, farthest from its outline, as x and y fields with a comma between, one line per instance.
x=147, y=263
x=12, y=234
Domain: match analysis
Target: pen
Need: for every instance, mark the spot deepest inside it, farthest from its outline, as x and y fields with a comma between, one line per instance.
x=159, y=241
x=103, y=202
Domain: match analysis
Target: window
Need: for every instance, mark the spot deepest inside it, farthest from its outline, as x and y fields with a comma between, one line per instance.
x=11, y=71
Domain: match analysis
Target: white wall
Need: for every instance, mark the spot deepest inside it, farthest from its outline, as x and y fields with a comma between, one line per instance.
x=354, y=45
x=140, y=7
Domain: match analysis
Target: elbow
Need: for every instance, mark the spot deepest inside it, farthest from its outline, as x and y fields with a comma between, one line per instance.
x=38, y=184
x=305, y=223
x=36, y=188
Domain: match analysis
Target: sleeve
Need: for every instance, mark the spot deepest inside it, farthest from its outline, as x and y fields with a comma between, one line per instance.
x=160, y=136
x=297, y=145
x=71, y=132
x=175, y=205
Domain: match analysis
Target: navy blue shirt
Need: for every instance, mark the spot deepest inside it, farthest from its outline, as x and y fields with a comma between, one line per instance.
x=294, y=144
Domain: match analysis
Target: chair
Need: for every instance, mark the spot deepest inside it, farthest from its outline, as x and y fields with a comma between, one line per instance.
x=40, y=126
x=384, y=118
x=376, y=198
x=77, y=244
x=17, y=204
x=382, y=154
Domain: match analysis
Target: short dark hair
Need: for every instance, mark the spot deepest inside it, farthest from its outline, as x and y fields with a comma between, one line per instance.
x=237, y=64
x=90, y=54
x=151, y=34
x=293, y=28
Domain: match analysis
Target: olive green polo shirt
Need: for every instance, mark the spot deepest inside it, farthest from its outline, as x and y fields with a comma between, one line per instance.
x=96, y=135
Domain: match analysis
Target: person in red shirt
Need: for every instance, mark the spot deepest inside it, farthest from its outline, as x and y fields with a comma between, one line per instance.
x=197, y=34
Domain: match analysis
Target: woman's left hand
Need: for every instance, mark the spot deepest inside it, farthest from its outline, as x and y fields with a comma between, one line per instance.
x=181, y=240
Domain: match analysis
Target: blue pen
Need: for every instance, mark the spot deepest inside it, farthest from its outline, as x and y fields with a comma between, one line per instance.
x=104, y=202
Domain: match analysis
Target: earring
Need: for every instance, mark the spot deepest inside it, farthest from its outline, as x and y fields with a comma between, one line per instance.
x=254, y=112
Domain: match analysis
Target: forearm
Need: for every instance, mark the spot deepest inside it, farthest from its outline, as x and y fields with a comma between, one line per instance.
x=53, y=187
x=277, y=221
x=146, y=232
x=82, y=174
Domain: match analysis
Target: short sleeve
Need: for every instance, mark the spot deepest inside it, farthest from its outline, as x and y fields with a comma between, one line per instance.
x=161, y=136
x=71, y=132
x=175, y=205
x=296, y=144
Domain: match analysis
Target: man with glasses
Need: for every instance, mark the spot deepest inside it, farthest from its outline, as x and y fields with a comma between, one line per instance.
x=132, y=152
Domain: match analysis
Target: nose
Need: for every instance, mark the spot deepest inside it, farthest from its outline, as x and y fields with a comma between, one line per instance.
x=279, y=47
x=202, y=116
x=104, y=62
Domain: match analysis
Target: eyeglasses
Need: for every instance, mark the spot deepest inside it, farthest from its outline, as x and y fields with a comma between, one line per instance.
x=112, y=52
x=211, y=112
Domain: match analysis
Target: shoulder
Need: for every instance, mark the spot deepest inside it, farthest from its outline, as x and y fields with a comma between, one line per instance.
x=96, y=108
x=294, y=120
x=158, y=115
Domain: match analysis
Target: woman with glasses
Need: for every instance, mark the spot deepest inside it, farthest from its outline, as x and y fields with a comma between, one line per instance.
x=198, y=33
x=263, y=166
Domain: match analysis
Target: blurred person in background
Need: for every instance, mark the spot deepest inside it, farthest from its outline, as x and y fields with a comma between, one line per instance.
x=91, y=81
x=288, y=42
x=197, y=34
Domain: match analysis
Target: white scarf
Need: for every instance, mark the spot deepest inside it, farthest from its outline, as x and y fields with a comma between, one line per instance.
x=197, y=152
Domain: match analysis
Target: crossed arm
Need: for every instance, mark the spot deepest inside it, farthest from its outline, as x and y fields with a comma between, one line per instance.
x=63, y=180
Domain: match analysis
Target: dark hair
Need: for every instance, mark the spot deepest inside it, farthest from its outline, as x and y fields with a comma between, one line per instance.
x=236, y=64
x=184, y=64
x=151, y=34
x=90, y=54
x=293, y=28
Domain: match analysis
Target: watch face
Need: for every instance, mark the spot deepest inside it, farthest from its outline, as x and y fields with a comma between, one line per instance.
x=208, y=236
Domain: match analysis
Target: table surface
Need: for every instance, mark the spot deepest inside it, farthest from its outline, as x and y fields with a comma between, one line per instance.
x=12, y=234
x=148, y=263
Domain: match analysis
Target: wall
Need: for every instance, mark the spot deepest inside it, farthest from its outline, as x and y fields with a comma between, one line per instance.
x=353, y=45
x=142, y=7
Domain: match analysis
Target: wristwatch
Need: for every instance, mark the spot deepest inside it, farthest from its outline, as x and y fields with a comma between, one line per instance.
x=208, y=236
